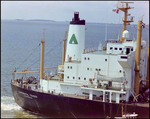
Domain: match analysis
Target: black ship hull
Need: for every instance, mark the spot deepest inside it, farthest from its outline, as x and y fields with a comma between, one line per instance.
x=60, y=106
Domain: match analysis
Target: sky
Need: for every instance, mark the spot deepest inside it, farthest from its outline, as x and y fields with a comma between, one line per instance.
x=91, y=11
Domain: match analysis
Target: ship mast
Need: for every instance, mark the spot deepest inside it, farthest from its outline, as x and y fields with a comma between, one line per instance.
x=138, y=56
x=147, y=78
x=64, y=48
x=126, y=19
x=42, y=56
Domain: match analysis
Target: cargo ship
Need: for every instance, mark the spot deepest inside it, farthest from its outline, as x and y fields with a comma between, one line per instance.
x=90, y=83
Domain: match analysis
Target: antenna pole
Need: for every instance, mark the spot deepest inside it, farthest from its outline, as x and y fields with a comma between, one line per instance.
x=105, y=46
x=106, y=29
x=106, y=33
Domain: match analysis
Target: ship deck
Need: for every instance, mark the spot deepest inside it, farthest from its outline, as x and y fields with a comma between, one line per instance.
x=86, y=96
x=98, y=52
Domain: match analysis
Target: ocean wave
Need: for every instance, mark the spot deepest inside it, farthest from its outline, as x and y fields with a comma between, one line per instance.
x=8, y=103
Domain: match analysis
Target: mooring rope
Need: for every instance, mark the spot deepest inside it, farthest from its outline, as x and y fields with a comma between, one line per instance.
x=118, y=110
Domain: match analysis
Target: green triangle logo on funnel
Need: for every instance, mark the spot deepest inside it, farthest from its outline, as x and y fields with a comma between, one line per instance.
x=73, y=40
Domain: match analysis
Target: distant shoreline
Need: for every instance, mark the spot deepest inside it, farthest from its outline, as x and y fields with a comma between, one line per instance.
x=35, y=20
x=65, y=21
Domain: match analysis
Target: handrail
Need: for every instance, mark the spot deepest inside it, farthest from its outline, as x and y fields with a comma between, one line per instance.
x=25, y=72
x=39, y=68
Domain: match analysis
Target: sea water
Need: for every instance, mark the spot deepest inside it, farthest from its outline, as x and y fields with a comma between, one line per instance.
x=20, y=49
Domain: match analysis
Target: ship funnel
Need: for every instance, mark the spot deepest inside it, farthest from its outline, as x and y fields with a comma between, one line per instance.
x=76, y=16
x=76, y=38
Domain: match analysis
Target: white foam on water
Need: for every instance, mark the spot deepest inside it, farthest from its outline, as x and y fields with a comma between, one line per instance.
x=8, y=103
x=10, y=109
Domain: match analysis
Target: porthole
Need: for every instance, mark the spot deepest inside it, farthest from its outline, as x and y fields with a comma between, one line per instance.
x=85, y=58
x=68, y=67
x=99, y=69
x=87, y=68
x=84, y=78
x=111, y=48
x=79, y=78
x=67, y=77
x=105, y=59
x=73, y=77
x=96, y=69
x=120, y=48
x=131, y=49
x=71, y=67
x=120, y=71
x=88, y=58
x=116, y=48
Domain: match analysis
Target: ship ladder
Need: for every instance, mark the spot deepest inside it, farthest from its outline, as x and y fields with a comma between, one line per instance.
x=78, y=91
x=133, y=94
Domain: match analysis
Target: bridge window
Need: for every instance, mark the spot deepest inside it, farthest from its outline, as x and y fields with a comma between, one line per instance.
x=110, y=83
x=127, y=50
x=124, y=57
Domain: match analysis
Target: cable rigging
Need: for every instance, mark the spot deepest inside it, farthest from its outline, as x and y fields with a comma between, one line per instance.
x=44, y=54
x=27, y=57
x=131, y=32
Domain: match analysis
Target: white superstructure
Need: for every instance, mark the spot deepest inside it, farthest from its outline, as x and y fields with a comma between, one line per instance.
x=102, y=73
